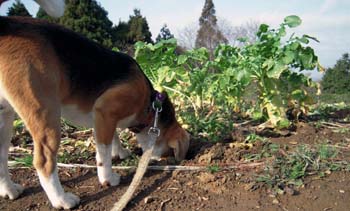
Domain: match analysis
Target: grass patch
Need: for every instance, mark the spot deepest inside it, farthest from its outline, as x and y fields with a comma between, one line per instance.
x=72, y=157
x=132, y=160
x=213, y=168
x=290, y=168
x=26, y=161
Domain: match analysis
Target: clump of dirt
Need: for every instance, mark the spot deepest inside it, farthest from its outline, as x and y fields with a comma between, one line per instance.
x=227, y=182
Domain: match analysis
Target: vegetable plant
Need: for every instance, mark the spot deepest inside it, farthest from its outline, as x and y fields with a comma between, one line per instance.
x=209, y=92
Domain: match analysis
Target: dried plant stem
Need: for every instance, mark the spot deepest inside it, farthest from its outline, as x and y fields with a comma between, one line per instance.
x=170, y=167
x=335, y=125
x=158, y=168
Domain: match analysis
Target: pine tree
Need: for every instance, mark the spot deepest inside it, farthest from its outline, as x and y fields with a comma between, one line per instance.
x=337, y=79
x=88, y=18
x=209, y=35
x=138, y=28
x=18, y=9
x=120, y=35
x=164, y=34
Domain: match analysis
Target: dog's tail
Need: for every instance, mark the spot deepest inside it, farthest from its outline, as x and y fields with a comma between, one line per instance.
x=54, y=8
x=2, y=1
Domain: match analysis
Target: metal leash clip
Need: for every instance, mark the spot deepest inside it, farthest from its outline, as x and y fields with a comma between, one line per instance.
x=155, y=130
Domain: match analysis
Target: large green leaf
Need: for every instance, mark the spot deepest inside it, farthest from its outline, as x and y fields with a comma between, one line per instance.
x=304, y=40
x=268, y=64
x=182, y=59
x=288, y=57
x=277, y=70
x=307, y=58
x=292, y=21
x=262, y=29
x=298, y=94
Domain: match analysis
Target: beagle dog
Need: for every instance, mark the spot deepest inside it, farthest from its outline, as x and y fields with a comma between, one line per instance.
x=47, y=71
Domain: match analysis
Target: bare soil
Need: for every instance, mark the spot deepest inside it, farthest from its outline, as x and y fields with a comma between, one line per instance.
x=215, y=189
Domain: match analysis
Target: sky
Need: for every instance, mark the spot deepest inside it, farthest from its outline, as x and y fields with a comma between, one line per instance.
x=327, y=20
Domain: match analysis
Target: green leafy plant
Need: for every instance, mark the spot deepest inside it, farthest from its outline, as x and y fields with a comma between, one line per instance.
x=270, y=62
x=209, y=91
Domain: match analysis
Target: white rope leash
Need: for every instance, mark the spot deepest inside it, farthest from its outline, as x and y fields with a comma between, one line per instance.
x=153, y=133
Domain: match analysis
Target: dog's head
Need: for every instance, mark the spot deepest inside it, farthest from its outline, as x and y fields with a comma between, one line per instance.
x=172, y=133
x=173, y=139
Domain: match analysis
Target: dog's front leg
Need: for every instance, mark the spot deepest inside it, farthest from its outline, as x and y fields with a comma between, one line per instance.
x=104, y=165
x=118, y=151
x=104, y=133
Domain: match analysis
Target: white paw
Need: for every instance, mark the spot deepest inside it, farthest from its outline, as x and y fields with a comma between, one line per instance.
x=113, y=180
x=65, y=201
x=11, y=190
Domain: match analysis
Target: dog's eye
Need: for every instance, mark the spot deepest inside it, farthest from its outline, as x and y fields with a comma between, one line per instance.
x=2, y=107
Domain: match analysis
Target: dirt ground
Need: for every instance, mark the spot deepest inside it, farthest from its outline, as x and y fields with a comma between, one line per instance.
x=215, y=189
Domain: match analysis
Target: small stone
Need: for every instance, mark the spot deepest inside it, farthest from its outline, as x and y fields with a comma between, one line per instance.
x=272, y=195
x=238, y=175
x=341, y=191
x=290, y=191
x=205, y=198
x=275, y=201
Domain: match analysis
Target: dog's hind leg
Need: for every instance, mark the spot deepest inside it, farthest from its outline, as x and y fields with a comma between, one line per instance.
x=46, y=143
x=40, y=112
x=7, y=187
x=35, y=98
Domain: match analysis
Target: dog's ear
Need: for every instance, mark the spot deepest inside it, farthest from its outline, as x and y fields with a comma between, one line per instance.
x=180, y=145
